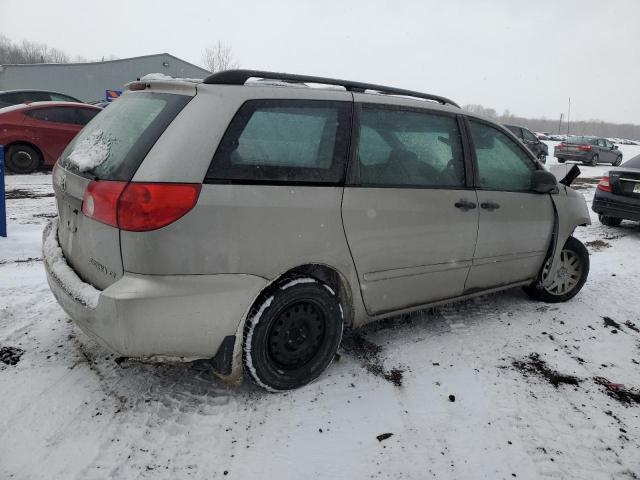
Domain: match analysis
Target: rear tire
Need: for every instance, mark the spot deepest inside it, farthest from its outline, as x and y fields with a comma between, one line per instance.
x=609, y=221
x=22, y=159
x=292, y=335
x=594, y=160
x=570, y=277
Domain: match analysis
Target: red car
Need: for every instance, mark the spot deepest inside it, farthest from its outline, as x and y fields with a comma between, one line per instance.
x=35, y=134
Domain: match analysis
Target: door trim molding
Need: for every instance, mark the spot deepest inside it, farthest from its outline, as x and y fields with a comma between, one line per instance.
x=413, y=271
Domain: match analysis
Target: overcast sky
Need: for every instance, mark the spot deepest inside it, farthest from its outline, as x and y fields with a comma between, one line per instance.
x=525, y=56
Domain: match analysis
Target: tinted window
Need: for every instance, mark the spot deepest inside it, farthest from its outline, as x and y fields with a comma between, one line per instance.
x=528, y=136
x=408, y=148
x=57, y=97
x=56, y=115
x=517, y=131
x=632, y=162
x=575, y=140
x=124, y=134
x=284, y=140
x=602, y=143
x=85, y=115
x=502, y=163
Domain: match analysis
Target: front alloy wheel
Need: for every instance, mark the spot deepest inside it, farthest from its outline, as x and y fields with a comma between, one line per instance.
x=572, y=272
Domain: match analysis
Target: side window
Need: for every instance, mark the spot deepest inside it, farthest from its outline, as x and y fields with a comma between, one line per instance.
x=517, y=131
x=57, y=97
x=56, y=115
x=285, y=140
x=528, y=136
x=84, y=115
x=502, y=164
x=408, y=148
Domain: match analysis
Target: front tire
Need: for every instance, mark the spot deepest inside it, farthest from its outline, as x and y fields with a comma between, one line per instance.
x=570, y=277
x=292, y=335
x=542, y=157
x=22, y=159
x=609, y=221
x=618, y=161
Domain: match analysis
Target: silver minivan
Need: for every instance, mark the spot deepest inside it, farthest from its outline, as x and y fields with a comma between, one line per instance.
x=249, y=218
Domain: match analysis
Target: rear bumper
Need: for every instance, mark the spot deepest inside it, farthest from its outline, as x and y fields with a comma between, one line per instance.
x=612, y=205
x=173, y=317
x=579, y=157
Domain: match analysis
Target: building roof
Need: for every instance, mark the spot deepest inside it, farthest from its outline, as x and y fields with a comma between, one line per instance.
x=102, y=62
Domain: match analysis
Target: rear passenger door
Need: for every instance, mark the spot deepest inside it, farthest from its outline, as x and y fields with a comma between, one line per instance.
x=53, y=129
x=410, y=218
x=516, y=223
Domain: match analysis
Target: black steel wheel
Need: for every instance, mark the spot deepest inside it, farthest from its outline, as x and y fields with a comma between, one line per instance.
x=22, y=159
x=569, y=278
x=292, y=335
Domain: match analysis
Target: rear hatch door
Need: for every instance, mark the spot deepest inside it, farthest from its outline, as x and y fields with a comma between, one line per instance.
x=109, y=149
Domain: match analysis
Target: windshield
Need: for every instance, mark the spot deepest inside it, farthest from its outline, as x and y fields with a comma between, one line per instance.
x=113, y=145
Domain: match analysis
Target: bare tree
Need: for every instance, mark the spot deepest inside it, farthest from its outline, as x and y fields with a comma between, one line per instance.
x=218, y=57
x=29, y=52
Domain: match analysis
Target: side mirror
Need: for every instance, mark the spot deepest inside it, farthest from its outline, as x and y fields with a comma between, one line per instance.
x=543, y=181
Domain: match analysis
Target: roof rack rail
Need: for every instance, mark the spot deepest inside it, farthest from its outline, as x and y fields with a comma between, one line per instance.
x=239, y=77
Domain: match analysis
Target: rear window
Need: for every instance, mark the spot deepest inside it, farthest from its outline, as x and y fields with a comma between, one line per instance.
x=632, y=162
x=576, y=140
x=113, y=144
x=284, y=141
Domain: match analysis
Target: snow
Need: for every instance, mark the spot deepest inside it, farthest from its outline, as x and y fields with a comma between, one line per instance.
x=254, y=321
x=150, y=77
x=70, y=411
x=67, y=278
x=91, y=151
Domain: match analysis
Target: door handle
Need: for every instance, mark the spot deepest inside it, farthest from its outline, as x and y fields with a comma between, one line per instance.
x=465, y=205
x=489, y=206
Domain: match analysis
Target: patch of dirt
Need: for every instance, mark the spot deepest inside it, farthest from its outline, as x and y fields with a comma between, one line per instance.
x=21, y=260
x=10, y=355
x=355, y=344
x=384, y=436
x=598, y=245
x=18, y=193
x=632, y=326
x=619, y=391
x=610, y=322
x=533, y=364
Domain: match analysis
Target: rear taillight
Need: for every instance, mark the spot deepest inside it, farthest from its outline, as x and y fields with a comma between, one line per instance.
x=585, y=148
x=100, y=201
x=149, y=206
x=138, y=207
x=604, y=184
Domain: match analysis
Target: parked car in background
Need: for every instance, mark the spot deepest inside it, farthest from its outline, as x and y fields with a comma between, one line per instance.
x=15, y=97
x=249, y=225
x=588, y=150
x=617, y=196
x=35, y=134
x=533, y=143
x=542, y=135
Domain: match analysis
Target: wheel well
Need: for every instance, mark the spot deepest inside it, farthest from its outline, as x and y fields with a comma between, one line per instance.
x=28, y=144
x=327, y=275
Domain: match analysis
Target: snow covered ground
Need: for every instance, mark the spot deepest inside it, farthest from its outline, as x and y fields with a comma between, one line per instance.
x=469, y=392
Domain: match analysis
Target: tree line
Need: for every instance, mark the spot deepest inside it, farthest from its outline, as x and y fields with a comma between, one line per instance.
x=597, y=128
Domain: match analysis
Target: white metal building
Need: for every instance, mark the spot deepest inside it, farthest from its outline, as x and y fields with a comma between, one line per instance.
x=89, y=81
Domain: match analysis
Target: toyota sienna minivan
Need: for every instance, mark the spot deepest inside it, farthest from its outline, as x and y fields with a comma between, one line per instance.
x=249, y=218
